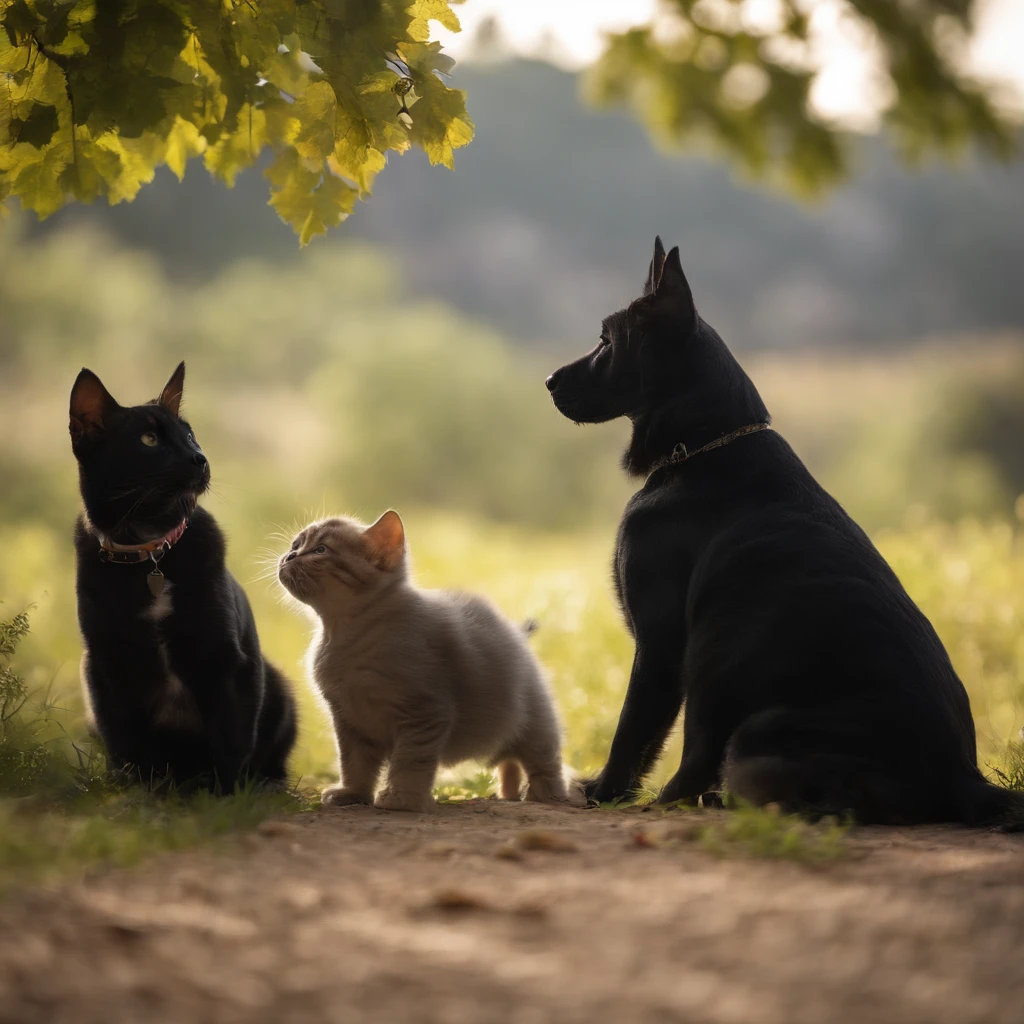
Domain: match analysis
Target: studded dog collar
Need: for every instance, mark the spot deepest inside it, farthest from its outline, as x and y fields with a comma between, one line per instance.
x=681, y=454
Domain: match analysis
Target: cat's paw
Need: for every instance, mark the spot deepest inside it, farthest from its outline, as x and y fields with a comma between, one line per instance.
x=339, y=796
x=391, y=801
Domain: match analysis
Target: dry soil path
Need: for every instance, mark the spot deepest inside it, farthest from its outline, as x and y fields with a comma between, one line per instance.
x=358, y=915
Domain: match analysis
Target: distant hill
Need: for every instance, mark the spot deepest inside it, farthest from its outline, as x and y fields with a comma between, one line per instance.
x=548, y=220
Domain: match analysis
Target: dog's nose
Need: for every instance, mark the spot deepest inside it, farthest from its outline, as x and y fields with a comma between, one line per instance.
x=552, y=382
x=290, y=555
x=199, y=459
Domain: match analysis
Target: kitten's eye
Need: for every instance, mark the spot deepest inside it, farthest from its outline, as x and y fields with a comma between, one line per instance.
x=150, y=440
x=320, y=550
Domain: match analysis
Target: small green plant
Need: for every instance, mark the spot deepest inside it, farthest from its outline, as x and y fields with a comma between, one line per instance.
x=34, y=749
x=473, y=787
x=1010, y=773
x=763, y=832
x=766, y=832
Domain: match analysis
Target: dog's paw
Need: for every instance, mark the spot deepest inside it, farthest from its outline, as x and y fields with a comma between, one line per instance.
x=602, y=791
x=392, y=801
x=339, y=796
x=670, y=795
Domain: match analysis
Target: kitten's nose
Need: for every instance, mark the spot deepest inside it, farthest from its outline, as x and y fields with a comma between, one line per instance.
x=290, y=555
x=199, y=459
x=552, y=382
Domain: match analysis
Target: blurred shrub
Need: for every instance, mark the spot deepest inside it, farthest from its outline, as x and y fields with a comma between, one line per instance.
x=34, y=751
x=316, y=378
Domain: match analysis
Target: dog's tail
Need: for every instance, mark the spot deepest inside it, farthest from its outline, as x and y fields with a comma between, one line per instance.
x=984, y=804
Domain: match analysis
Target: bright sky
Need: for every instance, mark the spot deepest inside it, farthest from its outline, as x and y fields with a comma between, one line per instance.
x=569, y=32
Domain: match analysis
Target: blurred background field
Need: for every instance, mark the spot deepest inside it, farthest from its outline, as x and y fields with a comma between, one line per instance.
x=400, y=363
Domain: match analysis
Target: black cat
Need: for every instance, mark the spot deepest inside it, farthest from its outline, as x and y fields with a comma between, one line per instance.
x=810, y=677
x=172, y=673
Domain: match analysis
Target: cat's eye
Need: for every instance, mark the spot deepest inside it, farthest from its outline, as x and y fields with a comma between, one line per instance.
x=150, y=440
x=320, y=550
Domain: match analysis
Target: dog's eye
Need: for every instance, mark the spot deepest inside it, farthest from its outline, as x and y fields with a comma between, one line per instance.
x=320, y=550
x=149, y=440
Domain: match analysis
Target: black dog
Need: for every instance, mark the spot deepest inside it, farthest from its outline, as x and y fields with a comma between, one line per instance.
x=810, y=677
x=173, y=675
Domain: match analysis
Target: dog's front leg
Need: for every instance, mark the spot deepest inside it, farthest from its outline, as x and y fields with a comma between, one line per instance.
x=653, y=700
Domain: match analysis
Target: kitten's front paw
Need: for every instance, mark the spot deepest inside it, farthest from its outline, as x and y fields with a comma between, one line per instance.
x=391, y=801
x=339, y=796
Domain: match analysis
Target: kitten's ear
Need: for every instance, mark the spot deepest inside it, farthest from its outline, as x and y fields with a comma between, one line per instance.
x=656, y=267
x=91, y=405
x=385, y=541
x=170, y=397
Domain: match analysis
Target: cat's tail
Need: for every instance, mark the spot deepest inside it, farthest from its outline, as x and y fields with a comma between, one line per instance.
x=510, y=779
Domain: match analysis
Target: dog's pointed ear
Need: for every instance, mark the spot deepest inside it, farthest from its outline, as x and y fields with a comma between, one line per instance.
x=385, y=541
x=170, y=397
x=654, y=271
x=91, y=405
x=672, y=284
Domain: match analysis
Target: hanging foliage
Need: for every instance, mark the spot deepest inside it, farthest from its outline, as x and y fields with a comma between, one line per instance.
x=95, y=95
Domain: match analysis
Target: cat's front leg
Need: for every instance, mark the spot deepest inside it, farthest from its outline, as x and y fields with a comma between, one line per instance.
x=360, y=761
x=414, y=764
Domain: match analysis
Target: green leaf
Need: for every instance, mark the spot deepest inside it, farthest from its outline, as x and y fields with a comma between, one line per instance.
x=37, y=129
x=94, y=97
x=311, y=211
x=440, y=122
x=183, y=143
x=423, y=11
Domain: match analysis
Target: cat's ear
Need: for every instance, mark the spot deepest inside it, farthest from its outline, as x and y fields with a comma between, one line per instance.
x=385, y=541
x=170, y=397
x=91, y=405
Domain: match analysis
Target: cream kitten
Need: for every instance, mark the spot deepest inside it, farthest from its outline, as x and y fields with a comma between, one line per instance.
x=417, y=678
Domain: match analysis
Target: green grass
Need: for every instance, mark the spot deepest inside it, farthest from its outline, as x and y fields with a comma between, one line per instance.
x=1009, y=772
x=43, y=844
x=745, y=831
x=968, y=577
x=59, y=814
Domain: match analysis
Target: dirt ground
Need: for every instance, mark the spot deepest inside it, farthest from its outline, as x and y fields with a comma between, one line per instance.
x=359, y=915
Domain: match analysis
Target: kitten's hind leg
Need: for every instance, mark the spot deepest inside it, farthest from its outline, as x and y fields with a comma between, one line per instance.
x=540, y=751
x=510, y=779
x=544, y=775
x=547, y=787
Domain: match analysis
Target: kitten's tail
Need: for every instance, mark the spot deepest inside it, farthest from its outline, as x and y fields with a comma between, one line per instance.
x=510, y=779
x=530, y=626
